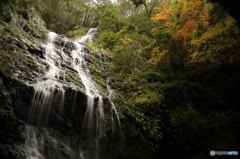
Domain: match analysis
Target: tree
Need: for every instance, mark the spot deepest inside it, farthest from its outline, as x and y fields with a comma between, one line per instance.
x=176, y=23
x=219, y=44
x=110, y=24
x=65, y=15
x=147, y=5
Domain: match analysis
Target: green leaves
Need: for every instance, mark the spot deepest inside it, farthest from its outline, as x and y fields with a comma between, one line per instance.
x=65, y=15
x=110, y=20
x=143, y=104
x=108, y=38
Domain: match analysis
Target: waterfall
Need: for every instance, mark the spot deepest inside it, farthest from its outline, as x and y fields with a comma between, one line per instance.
x=49, y=91
x=40, y=144
x=91, y=130
x=113, y=110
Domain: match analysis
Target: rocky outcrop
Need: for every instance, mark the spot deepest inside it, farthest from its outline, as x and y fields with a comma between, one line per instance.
x=21, y=54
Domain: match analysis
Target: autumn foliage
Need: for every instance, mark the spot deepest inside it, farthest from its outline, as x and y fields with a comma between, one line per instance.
x=182, y=20
x=185, y=17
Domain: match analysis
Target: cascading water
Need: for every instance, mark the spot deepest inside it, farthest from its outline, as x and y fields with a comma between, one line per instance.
x=40, y=144
x=93, y=122
x=113, y=109
x=49, y=91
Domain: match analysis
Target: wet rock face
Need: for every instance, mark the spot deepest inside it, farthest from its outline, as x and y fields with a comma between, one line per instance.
x=12, y=151
x=14, y=108
x=15, y=101
x=70, y=117
x=70, y=46
x=11, y=139
x=48, y=145
x=26, y=20
x=22, y=63
x=21, y=35
x=62, y=41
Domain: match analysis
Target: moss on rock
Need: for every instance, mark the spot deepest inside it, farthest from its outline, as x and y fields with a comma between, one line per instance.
x=76, y=32
x=96, y=67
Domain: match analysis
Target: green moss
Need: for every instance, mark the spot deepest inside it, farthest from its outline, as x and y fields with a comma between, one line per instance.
x=15, y=59
x=70, y=77
x=95, y=67
x=5, y=62
x=18, y=64
x=76, y=33
x=101, y=82
x=69, y=123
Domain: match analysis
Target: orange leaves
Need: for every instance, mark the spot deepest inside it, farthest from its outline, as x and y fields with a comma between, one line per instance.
x=159, y=16
x=193, y=17
x=185, y=30
x=162, y=12
x=197, y=4
x=204, y=15
x=178, y=22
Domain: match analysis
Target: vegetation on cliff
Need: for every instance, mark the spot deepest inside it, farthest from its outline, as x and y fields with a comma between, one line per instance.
x=176, y=72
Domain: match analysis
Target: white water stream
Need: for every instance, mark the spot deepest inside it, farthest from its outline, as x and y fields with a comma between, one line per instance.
x=49, y=91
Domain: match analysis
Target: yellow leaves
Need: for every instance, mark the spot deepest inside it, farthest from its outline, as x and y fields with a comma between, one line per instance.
x=183, y=18
x=155, y=58
x=204, y=15
x=162, y=12
x=184, y=21
x=195, y=57
x=216, y=40
x=230, y=22
x=213, y=31
x=160, y=16
x=154, y=30
x=126, y=40
x=158, y=56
